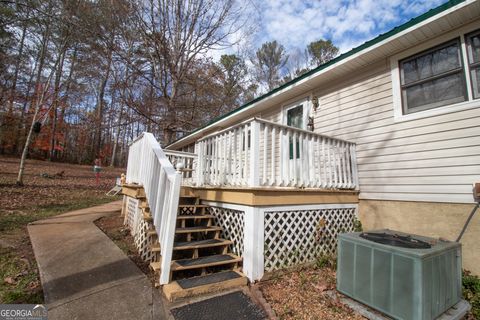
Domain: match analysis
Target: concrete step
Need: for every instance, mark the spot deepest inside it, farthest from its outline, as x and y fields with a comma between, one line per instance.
x=204, y=284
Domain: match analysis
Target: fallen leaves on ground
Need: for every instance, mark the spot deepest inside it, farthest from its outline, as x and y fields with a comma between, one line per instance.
x=77, y=182
x=302, y=294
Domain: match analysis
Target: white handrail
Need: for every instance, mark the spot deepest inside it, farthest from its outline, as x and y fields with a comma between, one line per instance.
x=149, y=166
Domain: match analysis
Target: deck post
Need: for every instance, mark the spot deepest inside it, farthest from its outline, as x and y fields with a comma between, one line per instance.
x=198, y=173
x=254, y=179
x=253, y=259
x=353, y=156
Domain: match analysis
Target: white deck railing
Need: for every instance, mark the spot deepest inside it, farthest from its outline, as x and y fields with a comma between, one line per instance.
x=185, y=162
x=262, y=153
x=150, y=167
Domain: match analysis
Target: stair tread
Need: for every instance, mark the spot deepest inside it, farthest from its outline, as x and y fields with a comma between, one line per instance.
x=208, y=279
x=201, y=243
x=147, y=216
x=197, y=216
x=151, y=232
x=193, y=205
x=132, y=185
x=207, y=261
x=214, y=282
x=197, y=229
x=155, y=266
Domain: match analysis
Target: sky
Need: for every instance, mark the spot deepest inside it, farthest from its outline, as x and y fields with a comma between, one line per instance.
x=295, y=23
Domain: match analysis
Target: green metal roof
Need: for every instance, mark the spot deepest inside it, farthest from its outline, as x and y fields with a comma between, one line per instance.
x=412, y=22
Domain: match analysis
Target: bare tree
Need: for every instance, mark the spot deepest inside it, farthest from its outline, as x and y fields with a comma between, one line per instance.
x=175, y=34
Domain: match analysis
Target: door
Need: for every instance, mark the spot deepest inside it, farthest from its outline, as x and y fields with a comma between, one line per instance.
x=295, y=116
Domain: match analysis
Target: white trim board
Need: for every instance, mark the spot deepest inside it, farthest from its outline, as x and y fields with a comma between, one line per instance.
x=227, y=205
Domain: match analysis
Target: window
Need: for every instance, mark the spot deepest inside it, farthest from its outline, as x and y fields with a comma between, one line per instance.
x=433, y=78
x=473, y=53
x=295, y=117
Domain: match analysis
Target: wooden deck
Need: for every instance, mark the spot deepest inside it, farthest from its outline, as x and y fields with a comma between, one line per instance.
x=273, y=196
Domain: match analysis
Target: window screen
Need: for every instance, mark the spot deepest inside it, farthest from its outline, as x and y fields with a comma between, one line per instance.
x=433, y=78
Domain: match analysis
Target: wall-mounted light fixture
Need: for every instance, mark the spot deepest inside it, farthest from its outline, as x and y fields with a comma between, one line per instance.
x=310, y=125
x=315, y=103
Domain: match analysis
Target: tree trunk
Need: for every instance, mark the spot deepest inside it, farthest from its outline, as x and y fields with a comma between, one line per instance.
x=117, y=135
x=58, y=77
x=38, y=101
x=100, y=104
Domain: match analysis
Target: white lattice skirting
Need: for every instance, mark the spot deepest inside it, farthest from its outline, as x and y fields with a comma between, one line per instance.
x=233, y=225
x=138, y=228
x=298, y=236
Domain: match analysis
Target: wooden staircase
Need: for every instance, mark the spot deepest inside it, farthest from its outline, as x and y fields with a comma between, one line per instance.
x=201, y=261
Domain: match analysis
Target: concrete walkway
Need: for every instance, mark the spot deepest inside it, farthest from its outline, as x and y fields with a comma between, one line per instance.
x=85, y=275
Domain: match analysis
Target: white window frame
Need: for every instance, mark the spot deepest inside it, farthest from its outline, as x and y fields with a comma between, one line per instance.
x=460, y=33
x=305, y=102
x=469, y=54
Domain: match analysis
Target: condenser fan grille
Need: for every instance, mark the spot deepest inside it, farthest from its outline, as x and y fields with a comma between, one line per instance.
x=396, y=240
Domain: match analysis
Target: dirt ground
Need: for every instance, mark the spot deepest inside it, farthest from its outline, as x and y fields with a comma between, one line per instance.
x=44, y=194
x=301, y=293
x=113, y=227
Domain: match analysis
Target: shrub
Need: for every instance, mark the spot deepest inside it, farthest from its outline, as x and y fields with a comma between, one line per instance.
x=326, y=261
x=471, y=292
x=357, y=225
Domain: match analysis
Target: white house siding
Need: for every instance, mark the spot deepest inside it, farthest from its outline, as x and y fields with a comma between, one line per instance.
x=436, y=158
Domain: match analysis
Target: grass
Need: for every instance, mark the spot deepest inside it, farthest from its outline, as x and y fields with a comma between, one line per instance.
x=25, y=286
x=17, y=220
x=19, y=278
x=326, y=261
